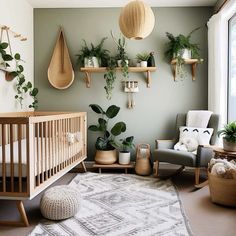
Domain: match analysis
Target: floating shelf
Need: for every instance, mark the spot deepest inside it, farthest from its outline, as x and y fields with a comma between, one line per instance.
x=89, y=70
x=192, y=62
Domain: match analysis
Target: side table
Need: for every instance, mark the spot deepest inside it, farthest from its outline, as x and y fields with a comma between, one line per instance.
x=114, y=166
x=221, y=153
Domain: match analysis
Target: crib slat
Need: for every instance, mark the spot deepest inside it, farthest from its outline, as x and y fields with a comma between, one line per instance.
x=11, y=158
x=19, y=131
x=4, y=157
x=46, y=150
x=49, y=149
x=41, y=153
x=37, y=152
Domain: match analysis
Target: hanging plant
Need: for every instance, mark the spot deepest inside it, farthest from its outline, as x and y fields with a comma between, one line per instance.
x=4, y=56
x=23, y=87
x=110, y=77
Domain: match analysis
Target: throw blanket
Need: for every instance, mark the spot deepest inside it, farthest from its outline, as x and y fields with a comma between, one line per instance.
x=198, y=118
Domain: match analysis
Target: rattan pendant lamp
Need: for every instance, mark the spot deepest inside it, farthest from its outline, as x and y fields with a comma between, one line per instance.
x=136, y=20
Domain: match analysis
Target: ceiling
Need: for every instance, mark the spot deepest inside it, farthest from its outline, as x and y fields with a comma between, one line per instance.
x=116, y=3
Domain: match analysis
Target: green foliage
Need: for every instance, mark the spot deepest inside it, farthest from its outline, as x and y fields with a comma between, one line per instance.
x=110, y=77
x=107, y=138
x=142, y=56
x=229, y=132
x=125, y=145
x=175, y=48
x=22, y=86
x=94, y=51
x=122, y=55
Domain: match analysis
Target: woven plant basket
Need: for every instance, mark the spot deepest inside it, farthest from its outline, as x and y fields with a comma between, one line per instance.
x=222, y=191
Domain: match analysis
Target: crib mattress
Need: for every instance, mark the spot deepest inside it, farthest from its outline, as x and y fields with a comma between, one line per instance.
x=43, y=164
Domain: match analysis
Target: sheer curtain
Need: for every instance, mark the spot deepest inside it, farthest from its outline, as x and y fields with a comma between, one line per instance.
x=218, y=59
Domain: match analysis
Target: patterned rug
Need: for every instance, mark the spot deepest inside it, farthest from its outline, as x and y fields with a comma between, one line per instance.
x=122, y=204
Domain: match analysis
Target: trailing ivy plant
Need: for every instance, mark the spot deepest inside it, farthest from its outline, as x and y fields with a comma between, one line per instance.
x=22, y=86
x=110, y=77
x=4, y=56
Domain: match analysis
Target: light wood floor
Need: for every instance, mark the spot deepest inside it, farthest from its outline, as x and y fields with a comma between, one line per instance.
x=206, y=218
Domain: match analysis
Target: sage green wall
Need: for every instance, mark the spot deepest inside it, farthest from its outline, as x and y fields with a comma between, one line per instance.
x=156, y=107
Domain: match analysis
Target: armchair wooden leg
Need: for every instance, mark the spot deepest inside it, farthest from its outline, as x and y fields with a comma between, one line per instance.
x=197, y=175
x=156, y=168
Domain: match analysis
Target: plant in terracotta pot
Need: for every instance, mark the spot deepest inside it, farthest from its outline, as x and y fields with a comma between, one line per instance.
x=93, y=56
x=106, y=153
x=124, y=146
x=180, y=48
x=229, y=136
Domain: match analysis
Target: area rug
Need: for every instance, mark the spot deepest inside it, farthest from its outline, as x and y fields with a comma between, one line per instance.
x=122, y=204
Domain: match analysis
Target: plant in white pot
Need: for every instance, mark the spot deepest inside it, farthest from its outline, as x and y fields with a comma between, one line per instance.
x=93, y=56
x=143, y=58
x=229, y=136
x=106, y=152
x=124, y=146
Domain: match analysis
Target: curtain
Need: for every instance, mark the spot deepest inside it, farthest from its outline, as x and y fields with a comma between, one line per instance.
x=218, y=60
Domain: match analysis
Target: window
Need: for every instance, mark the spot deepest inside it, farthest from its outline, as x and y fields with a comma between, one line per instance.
x=232, y=70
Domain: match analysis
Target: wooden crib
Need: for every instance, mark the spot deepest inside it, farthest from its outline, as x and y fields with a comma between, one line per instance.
x=36, y=149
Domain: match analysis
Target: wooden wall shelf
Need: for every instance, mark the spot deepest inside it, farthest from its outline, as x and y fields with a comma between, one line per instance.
x=89, y=70
x=192, y=62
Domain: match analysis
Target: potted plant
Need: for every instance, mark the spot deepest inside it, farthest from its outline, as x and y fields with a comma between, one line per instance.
x=143, y=58
x=4, y=56
x=124, y=147
x=94, y=56
x=121, y=57
x=106, y=153
x=180, y=48
x=229, y=136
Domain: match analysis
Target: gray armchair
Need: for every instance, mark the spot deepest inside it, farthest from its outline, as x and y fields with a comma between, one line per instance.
x=164, y=151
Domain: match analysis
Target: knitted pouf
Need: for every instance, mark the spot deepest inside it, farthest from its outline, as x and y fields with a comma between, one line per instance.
x=60, y=202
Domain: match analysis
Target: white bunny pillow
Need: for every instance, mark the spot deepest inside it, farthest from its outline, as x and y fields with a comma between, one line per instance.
x=191, y=137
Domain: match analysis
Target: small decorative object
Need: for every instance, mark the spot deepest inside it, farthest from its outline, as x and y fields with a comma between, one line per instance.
x=136, y=20
x=143, y=58
x=93, y=57
x=151, y=60
x=106, y=153
x=60, y=202
x=180, y=48
x=124, y=147
x=122, y=58
x=143, y=160
x=229, y=137
x=131, y=87
x=60, y=70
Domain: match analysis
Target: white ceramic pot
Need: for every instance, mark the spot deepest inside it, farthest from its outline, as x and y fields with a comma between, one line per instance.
x=229, y=146
x=119, y=62
x=95, y=62
x=88, y=62
x=124, y=158
x=143, y=63
x=184, y=53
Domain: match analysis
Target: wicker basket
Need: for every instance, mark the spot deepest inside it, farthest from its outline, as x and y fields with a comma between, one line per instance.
x=222, y=191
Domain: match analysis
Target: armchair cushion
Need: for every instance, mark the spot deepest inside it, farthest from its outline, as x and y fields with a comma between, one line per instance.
x=175, y=157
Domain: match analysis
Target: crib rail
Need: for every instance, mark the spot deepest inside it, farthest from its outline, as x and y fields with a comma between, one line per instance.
x=37, y=148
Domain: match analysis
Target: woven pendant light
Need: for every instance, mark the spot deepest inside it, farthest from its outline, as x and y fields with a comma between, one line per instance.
x=136, y=20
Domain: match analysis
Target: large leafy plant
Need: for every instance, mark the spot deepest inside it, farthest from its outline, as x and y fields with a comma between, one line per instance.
x=176, y=46
x=93, y=51
x=108, y=135
x=229, y=132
